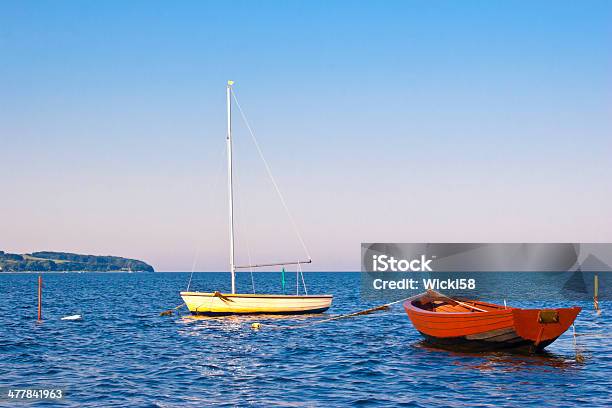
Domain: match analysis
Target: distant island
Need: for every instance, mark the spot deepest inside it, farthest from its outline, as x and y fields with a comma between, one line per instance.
x=47, y=261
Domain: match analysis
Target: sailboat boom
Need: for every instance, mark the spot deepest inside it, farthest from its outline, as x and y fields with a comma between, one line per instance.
x=273, y=264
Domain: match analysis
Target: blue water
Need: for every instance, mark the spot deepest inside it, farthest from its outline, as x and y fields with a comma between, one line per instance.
x=124, y=354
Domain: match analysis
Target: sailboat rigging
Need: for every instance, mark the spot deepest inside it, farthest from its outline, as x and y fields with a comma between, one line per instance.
x=217, y=303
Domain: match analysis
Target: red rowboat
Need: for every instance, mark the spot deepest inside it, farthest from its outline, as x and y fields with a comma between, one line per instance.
x=478, y=326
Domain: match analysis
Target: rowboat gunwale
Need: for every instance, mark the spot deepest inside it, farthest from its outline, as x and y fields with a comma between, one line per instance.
x=408, y=304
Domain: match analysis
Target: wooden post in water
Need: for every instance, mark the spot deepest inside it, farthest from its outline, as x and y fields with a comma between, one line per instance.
x=39, y=297
x=596, y=294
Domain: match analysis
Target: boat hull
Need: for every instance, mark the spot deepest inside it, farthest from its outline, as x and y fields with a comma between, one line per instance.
x=466, y=344
x=487, y=326
x=218, y=304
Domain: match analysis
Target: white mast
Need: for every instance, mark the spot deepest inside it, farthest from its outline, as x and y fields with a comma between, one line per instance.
x=229, y=183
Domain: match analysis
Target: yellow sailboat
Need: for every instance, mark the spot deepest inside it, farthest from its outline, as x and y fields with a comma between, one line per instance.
x=216, y=303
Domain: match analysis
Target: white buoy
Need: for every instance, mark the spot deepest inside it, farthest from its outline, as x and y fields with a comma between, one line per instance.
x=72, y=317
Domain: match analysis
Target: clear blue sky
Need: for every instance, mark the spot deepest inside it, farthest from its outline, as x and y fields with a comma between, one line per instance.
x=407, y=121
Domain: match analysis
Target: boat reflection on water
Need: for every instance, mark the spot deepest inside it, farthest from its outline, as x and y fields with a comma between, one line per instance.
x=505, y=361
x=244, y=319
x=245, y=323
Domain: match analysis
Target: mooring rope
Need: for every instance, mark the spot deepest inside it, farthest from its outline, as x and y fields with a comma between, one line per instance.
x=578, y=355
x=170, y=311
x=344, y=316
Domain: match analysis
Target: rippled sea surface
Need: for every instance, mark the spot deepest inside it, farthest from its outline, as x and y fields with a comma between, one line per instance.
x=123, y=353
